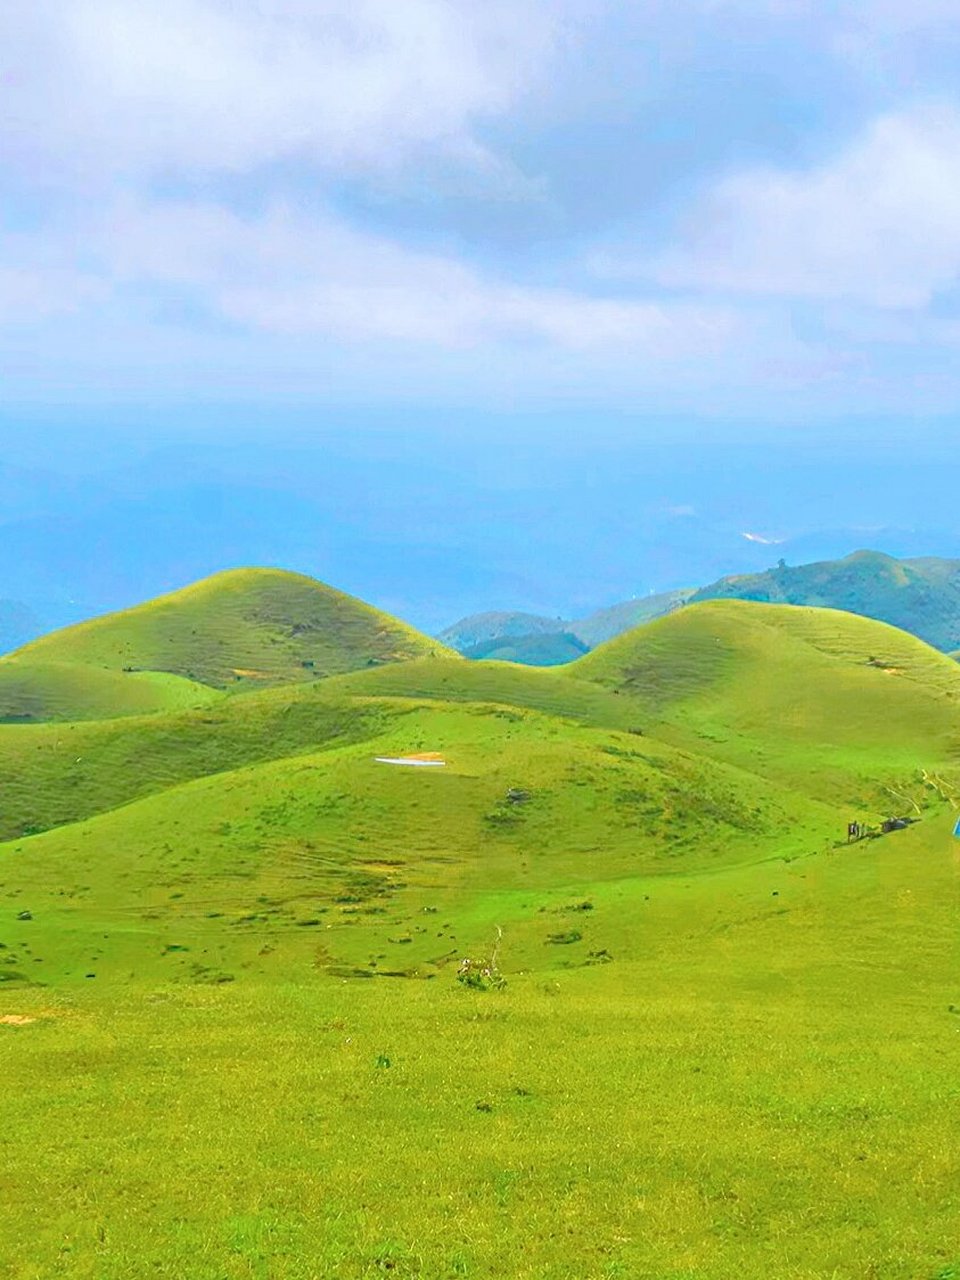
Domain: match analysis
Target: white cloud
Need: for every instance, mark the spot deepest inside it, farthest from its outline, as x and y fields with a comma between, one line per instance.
x=40, y=277
x=147, y=86
x=841, y=19
x=861, y=22
x=283, y=274
x=879, y=224
x=152, y=97
x=32, y=294
x=762, y=539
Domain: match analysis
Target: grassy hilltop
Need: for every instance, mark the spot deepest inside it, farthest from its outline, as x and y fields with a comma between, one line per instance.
x=921, y=596
x=230, y=939
x=236, y=630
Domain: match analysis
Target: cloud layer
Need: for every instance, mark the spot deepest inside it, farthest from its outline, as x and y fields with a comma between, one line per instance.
x=411, y=180
x=878, y=224
x=198, y=86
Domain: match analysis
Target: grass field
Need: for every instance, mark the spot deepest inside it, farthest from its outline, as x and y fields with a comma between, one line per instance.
x=237, y=1047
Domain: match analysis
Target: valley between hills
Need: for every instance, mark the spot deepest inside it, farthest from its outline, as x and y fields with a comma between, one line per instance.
x=609, y=994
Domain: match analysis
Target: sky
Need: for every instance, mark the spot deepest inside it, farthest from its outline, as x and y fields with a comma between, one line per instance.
x=715, y=209
x=533, y=304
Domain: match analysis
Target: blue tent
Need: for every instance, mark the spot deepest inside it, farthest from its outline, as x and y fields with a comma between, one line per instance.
x=956, y=829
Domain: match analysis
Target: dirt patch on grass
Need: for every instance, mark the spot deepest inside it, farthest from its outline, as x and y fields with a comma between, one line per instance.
x=15, y=1020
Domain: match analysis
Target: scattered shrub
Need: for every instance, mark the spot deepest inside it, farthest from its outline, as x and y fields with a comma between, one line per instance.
x=483, y=974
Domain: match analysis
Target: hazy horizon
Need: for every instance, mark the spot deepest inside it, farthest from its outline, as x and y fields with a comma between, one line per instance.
x=540, y=305
x=431, y=521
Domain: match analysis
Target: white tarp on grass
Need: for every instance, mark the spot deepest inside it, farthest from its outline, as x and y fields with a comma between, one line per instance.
x=411, y=760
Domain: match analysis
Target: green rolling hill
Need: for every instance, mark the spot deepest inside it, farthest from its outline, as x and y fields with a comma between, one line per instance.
x=921, y=596
x=814, y=695
x=230, y=942
x=240, y=629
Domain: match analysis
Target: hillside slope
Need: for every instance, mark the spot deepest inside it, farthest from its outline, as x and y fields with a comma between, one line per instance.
x=921, y=596
x=239, y=628
x=702, y=991
x=224, y=861
x=604, y=624
x=815, y=695
x=825, y=703
x=43, y=691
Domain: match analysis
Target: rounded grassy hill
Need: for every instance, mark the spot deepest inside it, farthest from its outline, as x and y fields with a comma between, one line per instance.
x=816, y=696
x=240, y=628
x=922, y=595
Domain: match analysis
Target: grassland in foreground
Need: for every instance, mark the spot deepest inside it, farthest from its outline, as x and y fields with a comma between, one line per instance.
x=727, y=1043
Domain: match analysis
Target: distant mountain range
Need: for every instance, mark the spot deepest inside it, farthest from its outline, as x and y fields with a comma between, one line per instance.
x=921, y=596
x=21, y=623
x=548, y=642
x=18, y=624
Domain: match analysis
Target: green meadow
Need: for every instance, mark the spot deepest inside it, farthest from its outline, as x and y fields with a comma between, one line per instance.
x=701, y=1035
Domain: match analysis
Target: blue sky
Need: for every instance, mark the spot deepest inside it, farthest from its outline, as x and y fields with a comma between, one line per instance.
x=713, y=209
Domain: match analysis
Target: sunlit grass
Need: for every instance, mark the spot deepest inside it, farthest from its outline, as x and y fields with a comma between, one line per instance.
x=727, y=1044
